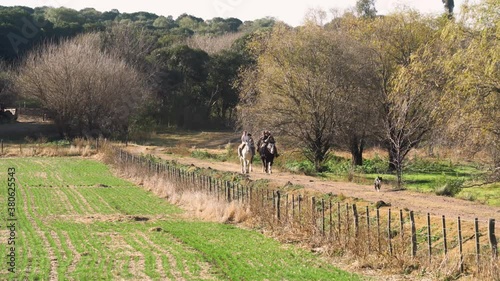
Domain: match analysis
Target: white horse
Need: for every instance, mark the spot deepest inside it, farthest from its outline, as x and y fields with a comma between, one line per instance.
x=245, y=155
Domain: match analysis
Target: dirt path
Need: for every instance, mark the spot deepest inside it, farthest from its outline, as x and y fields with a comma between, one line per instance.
x=406, y=200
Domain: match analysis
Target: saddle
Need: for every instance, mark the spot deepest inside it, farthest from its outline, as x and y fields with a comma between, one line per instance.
x=267, y=146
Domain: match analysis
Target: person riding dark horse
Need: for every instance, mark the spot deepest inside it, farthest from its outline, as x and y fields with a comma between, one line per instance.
x=267, y=150
x=265, y=139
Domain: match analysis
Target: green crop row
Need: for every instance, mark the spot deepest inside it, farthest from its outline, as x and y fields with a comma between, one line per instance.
x=75, y=221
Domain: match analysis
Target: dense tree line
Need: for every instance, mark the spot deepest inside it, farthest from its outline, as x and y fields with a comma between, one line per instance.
x=190, y=64
x=398, y=81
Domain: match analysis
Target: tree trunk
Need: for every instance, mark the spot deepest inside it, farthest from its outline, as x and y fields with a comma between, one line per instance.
x=392, y=159
x=357, y=146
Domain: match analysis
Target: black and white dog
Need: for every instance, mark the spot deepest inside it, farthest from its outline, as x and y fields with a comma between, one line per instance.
x=378, y=183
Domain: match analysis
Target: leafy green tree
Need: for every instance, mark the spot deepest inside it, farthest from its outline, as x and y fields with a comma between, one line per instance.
x=20, y=30
x=258, y=24
x=190, y=22
x=394, y=39
x=181, y=78
x=222, y=96
x=165, y=22
x=66, y=22
x=366, y=8
x=7, y=97
x=471, y=99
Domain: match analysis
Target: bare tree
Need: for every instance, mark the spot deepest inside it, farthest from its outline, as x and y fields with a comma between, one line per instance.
x=88, y=91
x=412, y=112
x=131, y=44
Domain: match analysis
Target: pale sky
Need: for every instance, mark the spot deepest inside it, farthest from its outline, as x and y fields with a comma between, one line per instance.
x=291, y=11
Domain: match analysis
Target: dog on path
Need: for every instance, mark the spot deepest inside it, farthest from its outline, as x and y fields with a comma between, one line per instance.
x=378, y=183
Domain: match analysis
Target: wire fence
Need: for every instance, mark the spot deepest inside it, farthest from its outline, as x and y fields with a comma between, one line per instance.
x=388, y=237
x=399, y=237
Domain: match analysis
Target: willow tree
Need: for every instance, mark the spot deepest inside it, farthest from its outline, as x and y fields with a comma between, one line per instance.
x=302, y=84
x=394, y=39
x=471, y=99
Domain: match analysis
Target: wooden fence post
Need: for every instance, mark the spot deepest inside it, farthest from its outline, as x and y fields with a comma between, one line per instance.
x=378, y=229
x=299, y=198
x=286, y=207
x=274, y=201
x=356, y=219
x=492, y=238
x=460, y=249
x=476, y=231
x=429, y=242
x=368, y=234
x=445, y=239
x=313, y=212
x=401, y=225
x=331, y=218
x=278, y=201
x=338, y=221
x=347, y=221
x=389, y=231
x=413, y=236
x=322, y=216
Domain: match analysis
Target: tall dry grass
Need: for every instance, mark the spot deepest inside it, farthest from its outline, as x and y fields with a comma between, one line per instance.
x=41, y=148
x=190, y=198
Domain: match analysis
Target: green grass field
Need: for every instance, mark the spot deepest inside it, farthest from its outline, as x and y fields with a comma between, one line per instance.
x=76, y=221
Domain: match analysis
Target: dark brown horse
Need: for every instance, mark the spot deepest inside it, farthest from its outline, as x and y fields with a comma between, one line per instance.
x=267, y=154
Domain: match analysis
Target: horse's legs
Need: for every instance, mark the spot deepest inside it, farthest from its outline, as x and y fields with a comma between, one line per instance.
x=269, y=170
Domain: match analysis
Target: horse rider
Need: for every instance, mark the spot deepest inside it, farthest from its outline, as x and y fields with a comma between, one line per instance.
x=246, y=138
x=243, y=136
x=251, y=143
x=264, y=139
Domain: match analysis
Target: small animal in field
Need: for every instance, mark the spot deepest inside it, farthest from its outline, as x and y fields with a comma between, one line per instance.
x=378, y=183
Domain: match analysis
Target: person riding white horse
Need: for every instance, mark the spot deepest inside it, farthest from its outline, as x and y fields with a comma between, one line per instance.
x=246, y=151
x=246, y=138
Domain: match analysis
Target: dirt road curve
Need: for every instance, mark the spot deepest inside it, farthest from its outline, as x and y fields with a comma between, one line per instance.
x=418, y=202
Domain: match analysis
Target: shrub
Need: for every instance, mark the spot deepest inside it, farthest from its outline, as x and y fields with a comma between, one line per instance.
x=448, y=187
x=376, y=165
x=338, y=165
x=419, y=165
x=305, y=167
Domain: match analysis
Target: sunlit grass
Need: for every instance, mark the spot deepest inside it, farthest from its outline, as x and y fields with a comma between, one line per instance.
x=99, y=227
